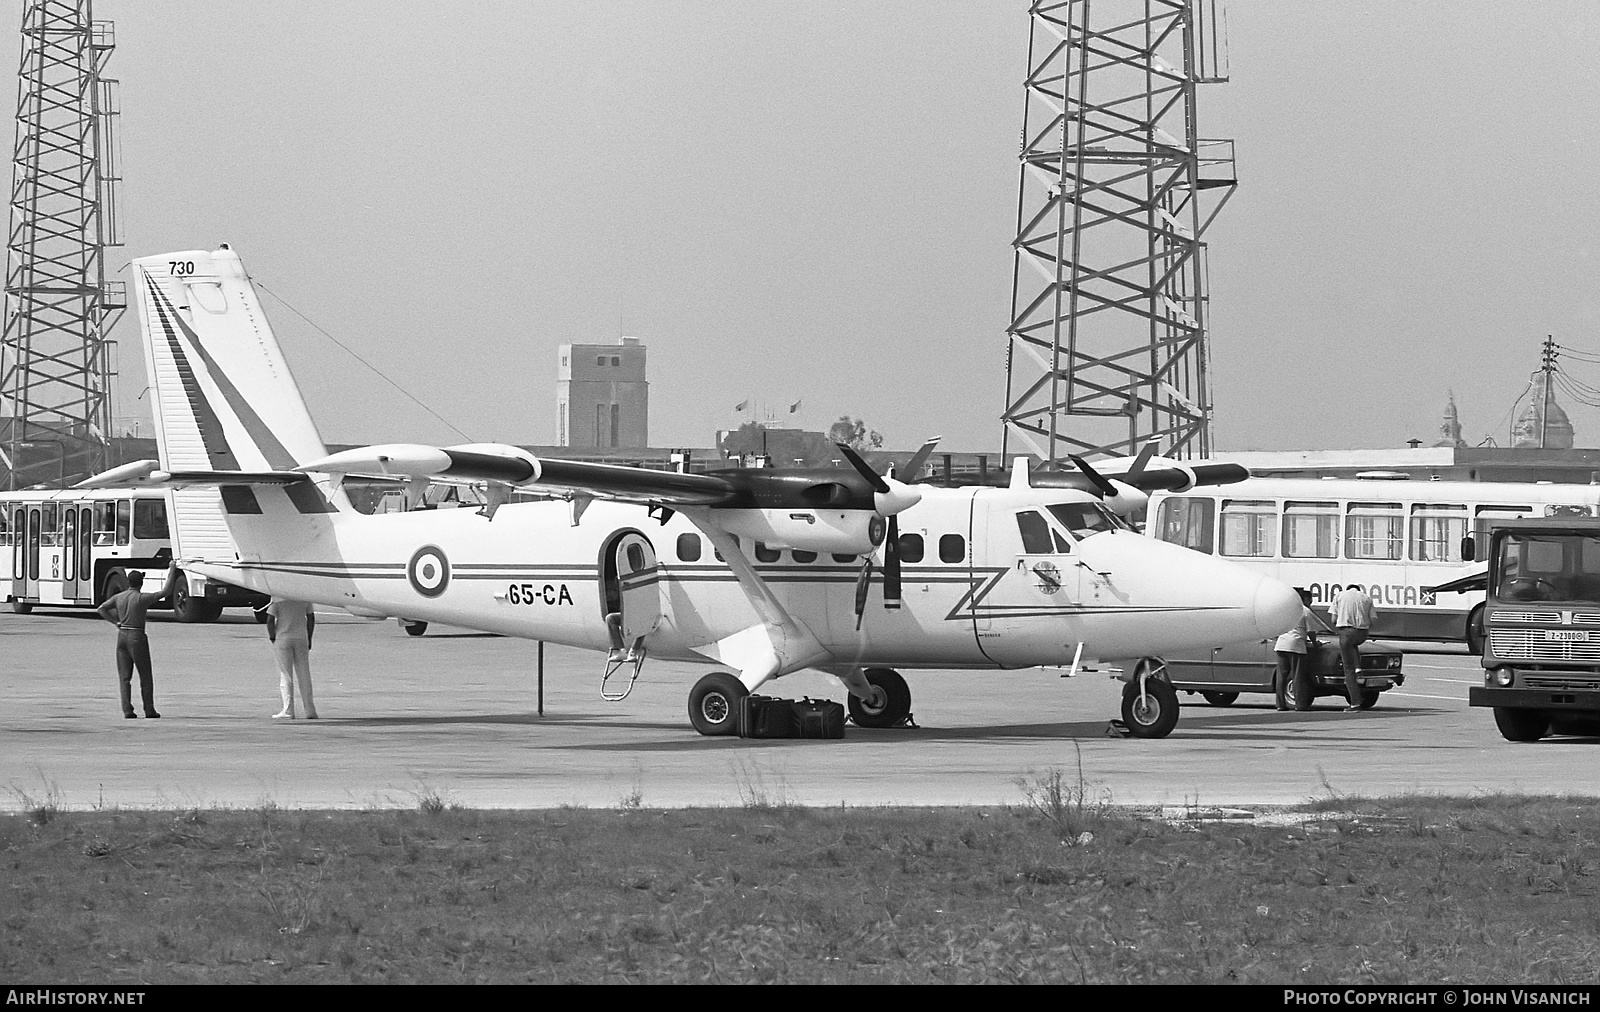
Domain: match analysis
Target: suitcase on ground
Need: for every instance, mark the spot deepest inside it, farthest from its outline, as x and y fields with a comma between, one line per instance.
x=767, y=717
x=819, y=718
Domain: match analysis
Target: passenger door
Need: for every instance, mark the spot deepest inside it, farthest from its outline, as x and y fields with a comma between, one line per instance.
x=638, y=579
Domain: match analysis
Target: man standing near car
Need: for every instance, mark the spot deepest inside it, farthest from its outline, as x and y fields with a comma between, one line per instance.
x=1291, y=651
x=1352, y=619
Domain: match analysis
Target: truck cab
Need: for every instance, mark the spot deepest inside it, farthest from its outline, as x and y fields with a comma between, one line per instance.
x=1541, y=654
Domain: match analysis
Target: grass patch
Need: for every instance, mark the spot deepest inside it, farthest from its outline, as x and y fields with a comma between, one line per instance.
x=1484, y=890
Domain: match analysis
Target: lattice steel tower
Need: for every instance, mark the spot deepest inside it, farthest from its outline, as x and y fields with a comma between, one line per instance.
x=1107, y=344
x=55, y=361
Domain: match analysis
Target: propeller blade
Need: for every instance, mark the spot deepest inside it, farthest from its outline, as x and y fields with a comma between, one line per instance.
x=874, y=479
x=863, y=582
x=1106, y=488
x=891, y=566
x=920, y=458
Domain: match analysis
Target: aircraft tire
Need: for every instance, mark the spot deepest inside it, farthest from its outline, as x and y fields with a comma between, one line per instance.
x=1220, y=698
x=897, y=700
x=414, y=628
x=1158, y=716
x=21, y=607
x=715, y=703
x=1517, y=724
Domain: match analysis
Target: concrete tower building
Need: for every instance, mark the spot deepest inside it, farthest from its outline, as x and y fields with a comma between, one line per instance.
x=602, y=396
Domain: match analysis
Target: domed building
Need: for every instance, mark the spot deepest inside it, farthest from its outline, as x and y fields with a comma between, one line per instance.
x=1450, y=425
x=1542, y=424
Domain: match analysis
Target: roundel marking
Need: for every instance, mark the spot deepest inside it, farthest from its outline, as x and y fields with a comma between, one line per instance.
x=429, y=571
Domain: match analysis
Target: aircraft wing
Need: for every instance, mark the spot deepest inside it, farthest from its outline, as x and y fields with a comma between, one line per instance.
x=633, y=484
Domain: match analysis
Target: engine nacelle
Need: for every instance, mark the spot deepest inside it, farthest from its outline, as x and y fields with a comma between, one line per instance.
x=1128, y=500
x=841, y=532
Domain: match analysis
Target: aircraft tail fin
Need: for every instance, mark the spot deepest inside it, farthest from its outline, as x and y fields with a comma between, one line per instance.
x=223, y=396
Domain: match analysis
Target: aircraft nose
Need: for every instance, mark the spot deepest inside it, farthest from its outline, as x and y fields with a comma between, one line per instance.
x=1277, y=607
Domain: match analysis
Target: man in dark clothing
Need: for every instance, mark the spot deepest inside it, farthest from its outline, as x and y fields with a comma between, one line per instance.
x=127, y=612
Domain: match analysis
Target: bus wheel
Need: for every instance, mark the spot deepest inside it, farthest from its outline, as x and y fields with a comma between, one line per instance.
x=116, y=583
x=1517, y=724
x=1156, y=715
x=188, y=608
x=1475, y=632
x=1220, y=698
x=21, y=607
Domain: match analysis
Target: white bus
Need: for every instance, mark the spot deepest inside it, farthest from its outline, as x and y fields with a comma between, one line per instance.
x=1393, y=538
x=76, y=547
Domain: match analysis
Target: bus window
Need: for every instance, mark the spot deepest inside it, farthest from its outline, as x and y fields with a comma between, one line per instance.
x=50, y=532
x=1311, y=530
x=105, y=514
x=33, y=543
x=85, y=557
x=5, y=528
x=150, y=519
x=1249, y=528
x=124, y=520
x=1436, y=532
x=1035, y=534
x=1484, y=514
x=1374, y=530
x=1187, y=521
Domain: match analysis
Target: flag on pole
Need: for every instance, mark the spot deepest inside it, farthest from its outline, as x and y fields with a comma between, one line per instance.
x=794, y=407
x=741, y=405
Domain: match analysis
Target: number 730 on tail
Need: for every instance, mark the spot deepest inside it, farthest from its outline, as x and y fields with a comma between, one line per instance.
x=755, y=572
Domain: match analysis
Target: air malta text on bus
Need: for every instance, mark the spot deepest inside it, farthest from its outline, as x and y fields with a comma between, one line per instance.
x=1396, y=539
x=76, y=547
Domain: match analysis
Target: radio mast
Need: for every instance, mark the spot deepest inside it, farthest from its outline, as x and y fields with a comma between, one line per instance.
x=1106, y=349
x=55, y=357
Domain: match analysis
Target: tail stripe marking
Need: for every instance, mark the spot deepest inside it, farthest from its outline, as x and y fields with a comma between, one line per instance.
x=211, y=435
x=276, y=455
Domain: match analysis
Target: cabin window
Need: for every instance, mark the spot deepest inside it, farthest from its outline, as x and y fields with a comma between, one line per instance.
x=1035, y=534
x=1249, y=528
x=1436, y=531
x=801, y=555
x=150, y=519
x=765, y=554
x=911, y=548
x=124, y=520
x=952, y=548
x=1480, y=522
x=689, y=548
x=635, y=558
x=1311, y=530
x=843, y=558
x=1187, y=521
x=1374, y=530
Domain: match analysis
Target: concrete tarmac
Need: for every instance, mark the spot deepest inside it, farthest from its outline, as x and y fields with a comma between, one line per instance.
x=453, y=714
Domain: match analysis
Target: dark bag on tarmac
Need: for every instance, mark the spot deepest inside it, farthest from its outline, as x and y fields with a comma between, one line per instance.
x=820, y=718
x=767, y=717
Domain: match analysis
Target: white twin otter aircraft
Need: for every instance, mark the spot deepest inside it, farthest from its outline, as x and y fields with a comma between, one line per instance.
x=756, y=572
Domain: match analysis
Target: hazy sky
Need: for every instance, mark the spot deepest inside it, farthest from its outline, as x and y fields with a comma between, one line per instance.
x=815, y=200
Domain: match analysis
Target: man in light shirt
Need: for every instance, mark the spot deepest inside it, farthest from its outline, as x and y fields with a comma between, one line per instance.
x=290, y=625
x=1352, y=619
x=1291, y=651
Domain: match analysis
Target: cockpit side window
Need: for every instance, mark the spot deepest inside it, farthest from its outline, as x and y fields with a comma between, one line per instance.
x=1035, y=533
x=1082, y=519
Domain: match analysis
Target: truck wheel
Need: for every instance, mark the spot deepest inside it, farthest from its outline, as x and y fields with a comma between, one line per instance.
x=896, y=705
x=1157, y=715
x=21, y=607
x=1369, y=699
x=1517, y=724
x=1220, y=698
x=715, y=702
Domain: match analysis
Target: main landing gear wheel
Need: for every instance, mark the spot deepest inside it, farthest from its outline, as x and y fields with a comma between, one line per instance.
x=1156, y=714
x=1220, y=698
x=1517, y=724
x=414, y=628
x=891, y=702
x=715, y=702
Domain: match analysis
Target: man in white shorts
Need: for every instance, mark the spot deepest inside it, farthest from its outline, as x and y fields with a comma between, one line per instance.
x=289, y=628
